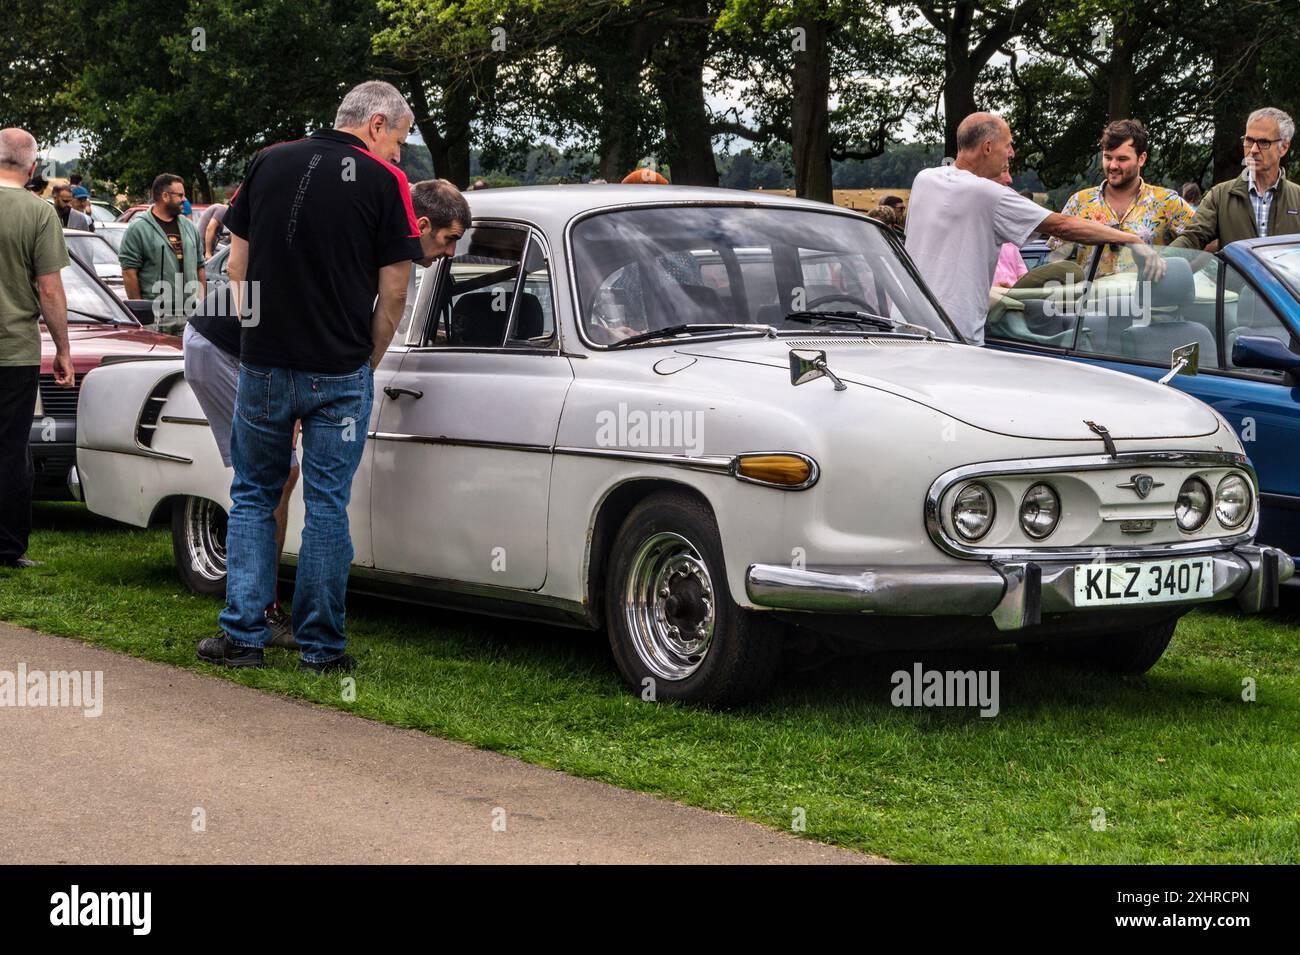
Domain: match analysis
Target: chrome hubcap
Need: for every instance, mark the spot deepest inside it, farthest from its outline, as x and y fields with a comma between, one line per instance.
x=205, y=538
x=669, y=606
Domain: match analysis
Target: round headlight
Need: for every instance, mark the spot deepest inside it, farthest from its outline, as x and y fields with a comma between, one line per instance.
x=1232, y=500
x=1193, y=507
x=1039, y=511
x=972, y=512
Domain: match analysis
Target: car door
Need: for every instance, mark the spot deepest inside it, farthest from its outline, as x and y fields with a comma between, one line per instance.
x=463, y=450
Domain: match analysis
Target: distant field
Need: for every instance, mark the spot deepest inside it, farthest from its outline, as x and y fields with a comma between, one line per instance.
x=862, y=199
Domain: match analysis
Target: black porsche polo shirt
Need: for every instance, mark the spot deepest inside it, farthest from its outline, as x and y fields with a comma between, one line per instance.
x=322, y=216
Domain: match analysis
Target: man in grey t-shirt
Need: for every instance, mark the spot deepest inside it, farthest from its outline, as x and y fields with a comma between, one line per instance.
x=959, y=216
x=211, y=226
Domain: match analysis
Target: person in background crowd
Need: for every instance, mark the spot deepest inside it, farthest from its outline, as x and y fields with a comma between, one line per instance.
x=1191, y=193
x=478, y=184
x=32, y=257
x=75, y=180
x=81, y=203
x=889, y=216
x=1026, y=193
x=1261, y=201
x=68, y=216
x=900, y=210
x=645, y=176
x=1011, y=265
x=162, y=255
x=211, y=227
x=187, y=210
x=36, y=185
x=308, y=350
x=959, y=216
x=1124, y=201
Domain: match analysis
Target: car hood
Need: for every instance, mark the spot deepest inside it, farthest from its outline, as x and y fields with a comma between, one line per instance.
x=91, y=344
x=1012, y=394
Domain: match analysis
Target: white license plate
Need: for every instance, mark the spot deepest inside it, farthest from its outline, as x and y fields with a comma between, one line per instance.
x=1148, y=582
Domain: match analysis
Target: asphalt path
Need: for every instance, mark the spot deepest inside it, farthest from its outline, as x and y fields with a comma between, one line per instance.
x=182, y=767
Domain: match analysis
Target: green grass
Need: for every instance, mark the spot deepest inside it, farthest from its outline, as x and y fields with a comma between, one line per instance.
x=1183, y=768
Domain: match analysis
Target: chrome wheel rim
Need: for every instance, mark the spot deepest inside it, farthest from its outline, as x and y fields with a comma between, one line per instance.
x=205, y=538
x=669, y=606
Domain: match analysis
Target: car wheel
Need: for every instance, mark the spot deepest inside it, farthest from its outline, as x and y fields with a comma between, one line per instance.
x=675, y=632
x=1129, y=651
x=199, y=545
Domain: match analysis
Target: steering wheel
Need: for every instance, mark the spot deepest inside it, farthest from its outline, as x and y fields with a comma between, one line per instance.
x=839, y=297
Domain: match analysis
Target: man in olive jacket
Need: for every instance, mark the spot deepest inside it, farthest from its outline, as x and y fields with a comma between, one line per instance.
x=1259, y=202
x=162, y=256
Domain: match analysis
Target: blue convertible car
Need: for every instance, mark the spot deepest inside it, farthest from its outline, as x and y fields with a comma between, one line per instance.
x=1240, y=307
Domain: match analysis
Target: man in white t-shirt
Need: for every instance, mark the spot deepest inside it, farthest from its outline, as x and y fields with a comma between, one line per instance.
x=959, y=216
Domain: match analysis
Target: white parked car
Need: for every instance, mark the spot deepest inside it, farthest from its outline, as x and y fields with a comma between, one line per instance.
x=694, y=417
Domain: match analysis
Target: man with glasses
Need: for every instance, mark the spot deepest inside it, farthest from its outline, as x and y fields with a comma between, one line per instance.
x=1259, y=202
x=162, y=255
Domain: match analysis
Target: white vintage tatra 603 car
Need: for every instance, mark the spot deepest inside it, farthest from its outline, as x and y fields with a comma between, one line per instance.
x=695, y=417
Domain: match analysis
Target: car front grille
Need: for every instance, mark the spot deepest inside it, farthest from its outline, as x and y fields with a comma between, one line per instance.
x=59, y=402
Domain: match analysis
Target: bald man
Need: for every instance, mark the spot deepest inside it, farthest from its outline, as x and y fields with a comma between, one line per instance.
x=960, y=215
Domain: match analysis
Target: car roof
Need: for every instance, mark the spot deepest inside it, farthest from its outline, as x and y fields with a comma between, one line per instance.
x=553, y=206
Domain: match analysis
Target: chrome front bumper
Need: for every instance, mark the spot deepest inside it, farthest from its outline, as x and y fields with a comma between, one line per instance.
x=1015, y=594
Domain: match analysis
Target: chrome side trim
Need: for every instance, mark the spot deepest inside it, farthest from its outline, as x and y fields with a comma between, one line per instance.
x=457, y=442
x=716, y=464
x=1090, y=462
x=176, y=419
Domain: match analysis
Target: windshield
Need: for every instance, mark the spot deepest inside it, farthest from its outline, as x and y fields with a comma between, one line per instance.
x=639, y=270
x=1285, y=262
x=93, y=250
x=112, y=236
x=88, y=301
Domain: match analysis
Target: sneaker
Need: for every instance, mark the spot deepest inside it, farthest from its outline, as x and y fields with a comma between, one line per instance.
x=21, y=562
x=340, y=664
x=221, y=651
x=281, y=630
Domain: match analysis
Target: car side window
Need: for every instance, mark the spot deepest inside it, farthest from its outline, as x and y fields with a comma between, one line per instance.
x=1041, y=309
x=412, y=293
x=532, y=324
x=476, y=298
x=1246, y=312
x=1125, y=316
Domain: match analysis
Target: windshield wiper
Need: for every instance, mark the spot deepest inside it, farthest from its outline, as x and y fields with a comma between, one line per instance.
x=671, y=330
x=859, y=318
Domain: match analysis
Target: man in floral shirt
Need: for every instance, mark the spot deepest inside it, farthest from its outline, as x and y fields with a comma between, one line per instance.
x=1124, y=201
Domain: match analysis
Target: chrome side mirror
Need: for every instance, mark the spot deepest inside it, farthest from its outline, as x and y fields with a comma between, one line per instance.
x=808, y=365
x=1183, y=360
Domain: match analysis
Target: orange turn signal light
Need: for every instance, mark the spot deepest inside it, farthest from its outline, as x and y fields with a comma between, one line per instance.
x=778, y=470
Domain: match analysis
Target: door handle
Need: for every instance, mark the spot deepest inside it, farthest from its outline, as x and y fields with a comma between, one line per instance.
x=398, y=392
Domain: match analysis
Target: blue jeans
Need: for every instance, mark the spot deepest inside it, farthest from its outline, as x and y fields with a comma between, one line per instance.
x=335, y=413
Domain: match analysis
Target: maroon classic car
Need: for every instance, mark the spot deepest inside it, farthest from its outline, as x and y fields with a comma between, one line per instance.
x=101, y=327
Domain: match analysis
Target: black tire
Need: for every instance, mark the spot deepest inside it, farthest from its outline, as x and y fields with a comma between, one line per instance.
x=199, y=545
x=1129, y=651
x=677, y=534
